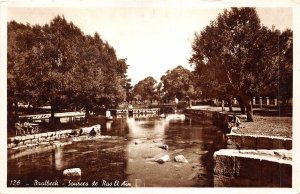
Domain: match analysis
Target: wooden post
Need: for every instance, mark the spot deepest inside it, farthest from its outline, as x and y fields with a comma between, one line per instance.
x=253, y=100
x=268, y=102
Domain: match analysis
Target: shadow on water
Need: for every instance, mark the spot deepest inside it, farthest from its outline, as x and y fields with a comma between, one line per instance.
x=127, y=154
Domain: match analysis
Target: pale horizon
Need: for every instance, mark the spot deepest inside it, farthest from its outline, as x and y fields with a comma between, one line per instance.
x=152, y=39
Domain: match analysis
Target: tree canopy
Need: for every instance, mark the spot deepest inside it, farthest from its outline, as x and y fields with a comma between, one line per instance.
x=145, y=88
x=237, y=56
x=57, y=64
x=179, y=83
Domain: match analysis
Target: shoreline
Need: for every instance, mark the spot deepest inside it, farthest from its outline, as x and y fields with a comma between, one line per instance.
x=259, y=159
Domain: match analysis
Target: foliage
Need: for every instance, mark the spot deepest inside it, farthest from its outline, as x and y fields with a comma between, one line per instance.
x=145, y=89
x=57, y=64
x=178, y=83
x=128, y=88
x=285, y=86
x=236, y=56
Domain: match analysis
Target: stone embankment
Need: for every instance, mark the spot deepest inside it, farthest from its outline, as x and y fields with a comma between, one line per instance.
x=35, y=139
x=242, y=141
x=250, y=160
x=253, y=168
x=200, y=115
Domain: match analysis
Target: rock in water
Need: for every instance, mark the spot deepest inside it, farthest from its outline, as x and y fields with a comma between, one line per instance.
x=72, y=172
x=163, y=159
x=180, y=158
x=164, y=147
x=92, y=133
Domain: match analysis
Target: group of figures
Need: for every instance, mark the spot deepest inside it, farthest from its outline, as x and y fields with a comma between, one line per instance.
x=25, y=128
x=234, y=123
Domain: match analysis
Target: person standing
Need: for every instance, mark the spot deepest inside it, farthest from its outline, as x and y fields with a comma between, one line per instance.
x=19, y=128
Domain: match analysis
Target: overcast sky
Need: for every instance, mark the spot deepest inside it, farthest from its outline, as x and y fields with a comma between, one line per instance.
x=153, y=39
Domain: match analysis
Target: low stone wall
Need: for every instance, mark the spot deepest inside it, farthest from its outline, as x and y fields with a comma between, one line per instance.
x=219, y=119
x=200, y=114
x=253, y=168
x=242, y=141
x=48, y=136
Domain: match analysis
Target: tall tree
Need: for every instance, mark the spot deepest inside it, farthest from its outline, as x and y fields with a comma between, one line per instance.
x=285, y=64
x=128, y=87
x=58, y=57
x=59, y=65
x=23, y=47
x=236, y=55
x=145, y=88
x=178, y=83
x=86, y=83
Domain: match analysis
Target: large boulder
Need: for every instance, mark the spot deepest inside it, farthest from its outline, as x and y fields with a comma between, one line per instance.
x=72, y=172
x=165, y=147
x=181, y=158
x=163, y=159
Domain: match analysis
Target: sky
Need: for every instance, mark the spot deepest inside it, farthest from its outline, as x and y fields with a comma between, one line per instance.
x=152, y=39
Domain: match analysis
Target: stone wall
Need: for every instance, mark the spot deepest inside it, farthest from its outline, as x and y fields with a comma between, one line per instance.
x=242, y=141
x=200, y=114
x=219, y=119
x=253, y=168
x=47, y=136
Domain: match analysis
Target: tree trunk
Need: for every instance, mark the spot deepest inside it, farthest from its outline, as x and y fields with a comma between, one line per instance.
x=222, y=104
x=87, y=114
x=10, y=116
x=52, y=120
x=242, y=105
x=230, y=104
x=249, y=111
x=52, y=111
x=16, y=115
x=245, y=100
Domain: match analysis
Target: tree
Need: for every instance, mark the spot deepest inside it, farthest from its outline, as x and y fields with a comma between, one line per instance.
x=159, y=93
x=285, y=62
x=57, y=59
x=145, y=88
x=128, y=88
x=23, y=46
x=59, y=65
x=237, y=56
x=86, y=84
x=178, y=83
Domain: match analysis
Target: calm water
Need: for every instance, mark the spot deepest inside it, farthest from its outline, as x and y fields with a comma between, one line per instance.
x=127, y=153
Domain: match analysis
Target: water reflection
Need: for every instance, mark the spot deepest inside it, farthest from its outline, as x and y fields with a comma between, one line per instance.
x=108, y=125
x=58, y=160
x=142, y=127
x=128, y=154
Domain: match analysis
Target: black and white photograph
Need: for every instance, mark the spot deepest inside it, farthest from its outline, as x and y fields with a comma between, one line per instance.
x=148, y=94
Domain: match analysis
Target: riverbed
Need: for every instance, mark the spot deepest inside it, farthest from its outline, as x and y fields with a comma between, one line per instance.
x=125, y=155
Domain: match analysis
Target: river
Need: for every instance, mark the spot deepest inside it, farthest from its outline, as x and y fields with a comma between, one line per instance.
x=125, y=155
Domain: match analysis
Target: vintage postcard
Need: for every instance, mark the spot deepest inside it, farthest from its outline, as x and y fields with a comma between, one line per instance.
x=149, y=96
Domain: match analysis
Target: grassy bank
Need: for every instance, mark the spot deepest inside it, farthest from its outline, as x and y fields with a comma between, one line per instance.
x=262, y=125
x=268, y=125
